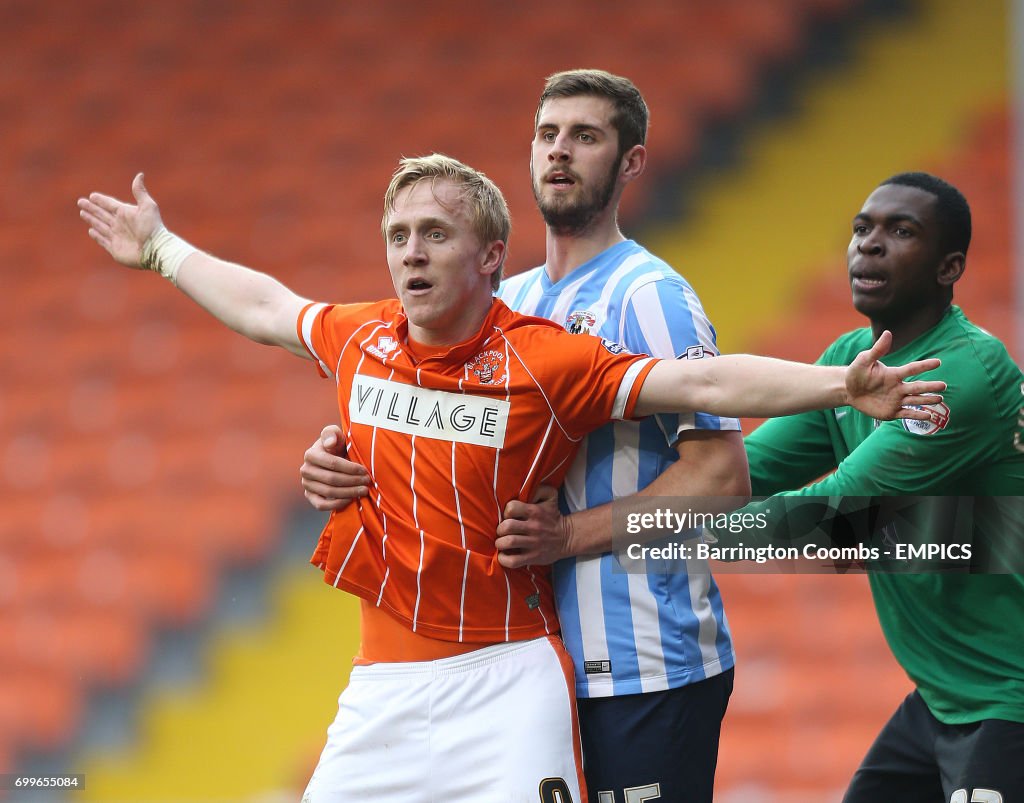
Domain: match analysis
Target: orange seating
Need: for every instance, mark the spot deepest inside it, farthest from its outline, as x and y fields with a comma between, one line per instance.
x=979, y=171
x=38, y=708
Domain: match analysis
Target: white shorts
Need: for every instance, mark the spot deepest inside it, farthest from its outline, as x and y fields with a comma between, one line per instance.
x=495, y=725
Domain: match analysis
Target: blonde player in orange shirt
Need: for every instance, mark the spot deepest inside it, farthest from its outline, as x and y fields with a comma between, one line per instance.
x=456, y=405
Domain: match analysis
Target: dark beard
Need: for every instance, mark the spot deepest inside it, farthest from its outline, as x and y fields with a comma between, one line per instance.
x=570, y=219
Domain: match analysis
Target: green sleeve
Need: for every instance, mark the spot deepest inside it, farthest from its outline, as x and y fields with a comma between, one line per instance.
x=789, y=452
x=890, y=461
x=958, y=456
x=893, y=461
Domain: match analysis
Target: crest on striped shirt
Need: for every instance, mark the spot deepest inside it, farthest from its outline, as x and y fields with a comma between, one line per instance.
x=580, y=322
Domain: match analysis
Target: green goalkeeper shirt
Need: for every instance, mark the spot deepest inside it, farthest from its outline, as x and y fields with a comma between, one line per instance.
x=960, y=637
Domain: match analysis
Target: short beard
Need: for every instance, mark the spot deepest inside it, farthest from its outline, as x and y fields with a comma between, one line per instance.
x=572, y=219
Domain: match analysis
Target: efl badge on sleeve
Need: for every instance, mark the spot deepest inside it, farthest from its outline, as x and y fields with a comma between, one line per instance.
x=612, y=346
x=939, y=417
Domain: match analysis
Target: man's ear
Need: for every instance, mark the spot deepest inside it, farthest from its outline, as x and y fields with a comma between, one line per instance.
x=494, y=255
x=951, y=269
x=633, y=163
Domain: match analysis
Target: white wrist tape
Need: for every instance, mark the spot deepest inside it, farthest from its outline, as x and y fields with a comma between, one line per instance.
x=164, y=252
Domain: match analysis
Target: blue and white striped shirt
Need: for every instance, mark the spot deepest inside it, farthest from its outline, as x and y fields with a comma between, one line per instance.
x=634, y=632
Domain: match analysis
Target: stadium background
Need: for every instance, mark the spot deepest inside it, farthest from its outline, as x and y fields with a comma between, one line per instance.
x=159, y=629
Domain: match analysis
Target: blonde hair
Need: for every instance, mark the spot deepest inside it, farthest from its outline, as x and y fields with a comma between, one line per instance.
x=489, y=212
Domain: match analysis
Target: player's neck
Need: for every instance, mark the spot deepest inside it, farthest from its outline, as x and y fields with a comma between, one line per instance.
x=566, y=252
x=453, y=329
x=907, y=327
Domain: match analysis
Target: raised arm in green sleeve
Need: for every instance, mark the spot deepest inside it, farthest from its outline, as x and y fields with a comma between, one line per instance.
x=965, y=451
x=788, y=452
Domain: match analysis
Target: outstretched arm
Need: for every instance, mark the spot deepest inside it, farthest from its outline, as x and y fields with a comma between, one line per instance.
x=252, y=303
x=743, y=385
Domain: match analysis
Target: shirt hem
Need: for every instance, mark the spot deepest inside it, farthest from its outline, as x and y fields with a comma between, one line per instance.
x=620, y=687
x=469, y=634
x=971, y=711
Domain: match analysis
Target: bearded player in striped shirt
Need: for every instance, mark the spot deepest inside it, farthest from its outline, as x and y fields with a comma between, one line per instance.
x=457, y=405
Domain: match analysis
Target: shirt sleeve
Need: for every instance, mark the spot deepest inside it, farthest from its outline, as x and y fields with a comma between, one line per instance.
x=665, y=319
x=788, y=452
x=899, y=458
x=588, y=381
x=324, y=330
x=907, y=457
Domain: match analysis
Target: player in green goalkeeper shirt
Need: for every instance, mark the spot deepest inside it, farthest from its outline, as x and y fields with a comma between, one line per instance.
x=959, y=737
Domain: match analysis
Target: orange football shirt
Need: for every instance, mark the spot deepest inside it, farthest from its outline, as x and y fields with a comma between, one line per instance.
x=448, y=440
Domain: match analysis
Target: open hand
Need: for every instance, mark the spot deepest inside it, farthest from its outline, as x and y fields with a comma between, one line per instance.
x=122, y=229
x=880, y=391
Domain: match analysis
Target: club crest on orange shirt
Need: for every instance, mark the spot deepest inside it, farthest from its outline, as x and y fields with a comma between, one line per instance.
x=487, y=367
